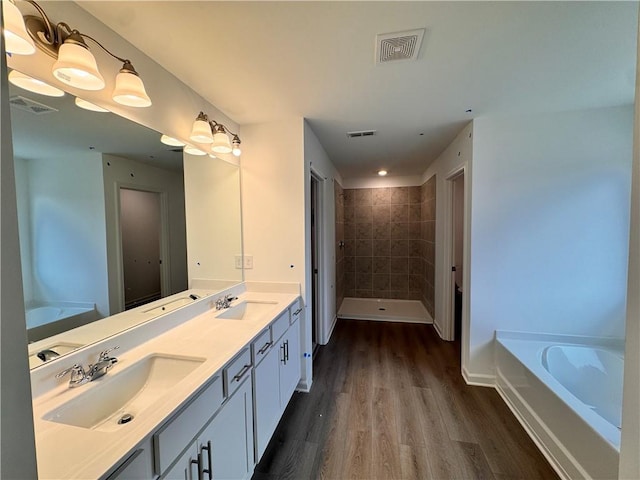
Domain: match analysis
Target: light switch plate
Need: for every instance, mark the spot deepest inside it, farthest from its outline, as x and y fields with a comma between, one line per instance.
x=239, y=262
x=248, y=261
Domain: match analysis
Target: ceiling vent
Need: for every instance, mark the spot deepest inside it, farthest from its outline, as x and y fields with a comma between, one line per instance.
x=31, y=106
x=398, y=46
x=361, y=133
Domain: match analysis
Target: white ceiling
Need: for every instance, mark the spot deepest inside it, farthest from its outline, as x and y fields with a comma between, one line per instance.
x=263, y=61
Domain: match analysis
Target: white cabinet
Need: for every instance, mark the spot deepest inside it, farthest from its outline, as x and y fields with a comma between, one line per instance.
x=224, y=449
x=266, y=389
x=231, y=437
x=289, y=363
x=274, y=380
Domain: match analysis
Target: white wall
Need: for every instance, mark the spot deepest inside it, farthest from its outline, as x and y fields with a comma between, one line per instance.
x=122, y=172
x=550, y=226
x=629, y=467
x=457, y=155
x=17, y=446
x=317, y=161
x=273, y=210
x=212, y=206
x=65, y=239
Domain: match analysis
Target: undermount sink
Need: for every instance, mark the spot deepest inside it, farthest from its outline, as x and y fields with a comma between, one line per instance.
x=119, y=397
x=246, y=310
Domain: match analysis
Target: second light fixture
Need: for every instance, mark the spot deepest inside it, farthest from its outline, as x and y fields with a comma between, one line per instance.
x=210, y=132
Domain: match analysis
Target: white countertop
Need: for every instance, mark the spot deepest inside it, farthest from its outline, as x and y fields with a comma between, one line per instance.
x=68, y=452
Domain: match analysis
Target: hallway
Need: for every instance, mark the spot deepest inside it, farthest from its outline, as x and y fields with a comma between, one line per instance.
x=388, y=402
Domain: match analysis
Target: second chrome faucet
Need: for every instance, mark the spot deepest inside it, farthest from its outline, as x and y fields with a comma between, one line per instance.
x=80, y=376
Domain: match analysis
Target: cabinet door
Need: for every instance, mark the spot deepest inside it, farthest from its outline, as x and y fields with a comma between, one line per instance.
x=186, y=468
x=289, y=363
x=266, y=397
x=230, y=437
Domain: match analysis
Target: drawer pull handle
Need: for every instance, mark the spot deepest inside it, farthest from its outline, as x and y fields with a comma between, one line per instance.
x=297, y=311
x=241, y=373
x=265, y=347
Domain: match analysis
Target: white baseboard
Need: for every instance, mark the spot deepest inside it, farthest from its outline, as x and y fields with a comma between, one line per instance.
x=478, y=379
x=304, y=386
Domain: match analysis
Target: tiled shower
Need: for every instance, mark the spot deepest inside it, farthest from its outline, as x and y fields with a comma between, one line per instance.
x=386, y=243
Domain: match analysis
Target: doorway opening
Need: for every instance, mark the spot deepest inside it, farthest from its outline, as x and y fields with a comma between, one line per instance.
x=317, y=260
x=142, y=245
x=457, y=253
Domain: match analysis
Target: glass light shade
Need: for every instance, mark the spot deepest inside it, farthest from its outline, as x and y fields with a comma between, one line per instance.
x=76, y=66
x=201, y=132
x=89, y=106
x=193, y=150
x=221, y=143
x=167, y=140
x=130, y=91
x=33, y=84
x=16, y=38
x=236, y=151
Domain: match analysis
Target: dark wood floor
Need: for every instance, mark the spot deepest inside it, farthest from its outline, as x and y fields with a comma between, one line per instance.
x=388, y=402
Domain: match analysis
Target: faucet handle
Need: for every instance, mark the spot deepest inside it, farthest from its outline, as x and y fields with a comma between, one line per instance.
x=75, y=370
x=104, y=353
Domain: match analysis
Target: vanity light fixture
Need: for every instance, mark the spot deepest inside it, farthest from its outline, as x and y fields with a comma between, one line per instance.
x=34, y=85
x=207, y=131
x=191, y=150
x=75, y=64
x=172, y=142
x=16, y=38
x=89, y=106
x=382, y=172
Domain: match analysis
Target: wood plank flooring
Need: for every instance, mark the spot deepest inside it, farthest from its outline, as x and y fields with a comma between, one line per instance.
x=388, y=402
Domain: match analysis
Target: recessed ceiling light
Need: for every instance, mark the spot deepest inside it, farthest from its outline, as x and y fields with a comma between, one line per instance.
x=89, y=106
x=34, y=85
x=382, y=172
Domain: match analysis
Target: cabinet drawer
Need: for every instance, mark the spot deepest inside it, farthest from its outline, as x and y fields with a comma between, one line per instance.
x=236, y=371
x=297, y=310
x=279, y=326
x=175, y=435
x=260, y=346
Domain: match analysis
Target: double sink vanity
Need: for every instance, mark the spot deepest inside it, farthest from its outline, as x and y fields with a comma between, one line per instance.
x=193, y=394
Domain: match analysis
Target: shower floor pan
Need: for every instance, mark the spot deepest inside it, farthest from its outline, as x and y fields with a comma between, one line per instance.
x=412, y=311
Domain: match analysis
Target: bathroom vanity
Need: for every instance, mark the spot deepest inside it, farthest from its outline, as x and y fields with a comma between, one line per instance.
x=195, y=394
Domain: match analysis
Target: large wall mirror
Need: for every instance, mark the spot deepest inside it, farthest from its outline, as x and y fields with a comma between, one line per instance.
x=102, y=224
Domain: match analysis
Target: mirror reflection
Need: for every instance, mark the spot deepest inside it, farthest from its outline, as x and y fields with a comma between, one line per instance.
x=102, y=225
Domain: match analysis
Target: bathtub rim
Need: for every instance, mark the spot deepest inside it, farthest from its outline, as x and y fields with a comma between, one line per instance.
x=532, y=361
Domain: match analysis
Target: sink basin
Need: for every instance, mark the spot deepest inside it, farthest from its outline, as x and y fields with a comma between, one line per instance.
x=119, y=397
x=246, y=310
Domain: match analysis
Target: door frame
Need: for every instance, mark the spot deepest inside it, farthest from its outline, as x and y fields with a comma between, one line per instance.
x=447, y=329
x=165, y=251
x=319, y=247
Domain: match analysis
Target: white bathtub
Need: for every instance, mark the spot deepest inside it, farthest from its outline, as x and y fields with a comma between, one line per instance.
x=46, y=320
x=567, y=393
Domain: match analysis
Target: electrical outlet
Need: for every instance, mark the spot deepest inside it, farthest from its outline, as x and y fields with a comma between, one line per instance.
x=238, y=262
x=248, y=261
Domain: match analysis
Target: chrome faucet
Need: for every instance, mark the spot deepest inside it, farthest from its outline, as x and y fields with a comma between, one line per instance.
x=80, y=376
x=225, y=302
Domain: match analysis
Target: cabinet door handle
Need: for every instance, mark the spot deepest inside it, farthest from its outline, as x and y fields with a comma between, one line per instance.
x=283, y=357
x=198, y=462
x=265, y=347
x=209, y=469
x=286, y=350
x=241, y=373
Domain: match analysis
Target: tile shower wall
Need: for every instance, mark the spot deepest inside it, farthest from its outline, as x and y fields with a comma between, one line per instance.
x=389, y=242
x=339, y=202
